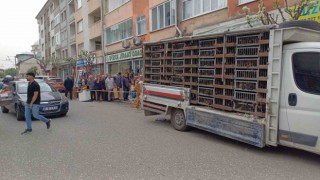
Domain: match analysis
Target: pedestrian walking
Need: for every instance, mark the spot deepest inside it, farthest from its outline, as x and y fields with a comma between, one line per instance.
x=109, y=85
x=68, y=85
x=91, y=88
x=126, y=86
x=33, y=103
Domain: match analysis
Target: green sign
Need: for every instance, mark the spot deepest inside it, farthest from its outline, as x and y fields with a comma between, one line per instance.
x=136, y=53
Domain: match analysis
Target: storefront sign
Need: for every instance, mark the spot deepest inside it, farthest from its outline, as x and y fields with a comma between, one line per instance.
x=311, y=14
x=136, y=53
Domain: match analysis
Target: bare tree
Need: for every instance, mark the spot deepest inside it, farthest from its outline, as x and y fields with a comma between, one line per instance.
x=44, y=64
x=73, y=65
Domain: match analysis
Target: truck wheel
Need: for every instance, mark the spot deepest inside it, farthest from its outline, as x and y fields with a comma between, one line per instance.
x=4, y=110
x=313, y=25
x=19, y=113
x=178, y=120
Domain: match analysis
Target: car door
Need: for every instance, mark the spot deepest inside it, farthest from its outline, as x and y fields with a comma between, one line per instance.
x=302, y=95
x=13, y=88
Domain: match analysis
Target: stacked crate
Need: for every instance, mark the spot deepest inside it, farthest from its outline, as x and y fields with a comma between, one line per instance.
x=226, y=72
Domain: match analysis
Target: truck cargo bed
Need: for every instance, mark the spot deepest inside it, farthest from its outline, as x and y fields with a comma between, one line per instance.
x=244, y=128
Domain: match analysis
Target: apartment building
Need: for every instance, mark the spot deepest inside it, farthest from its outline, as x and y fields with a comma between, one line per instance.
x=88, y=22
x=55, y=36
x=174, y=18
x=126, y=27
x=116, y=29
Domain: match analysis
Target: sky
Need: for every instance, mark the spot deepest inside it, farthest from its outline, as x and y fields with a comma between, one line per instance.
x=19, y=28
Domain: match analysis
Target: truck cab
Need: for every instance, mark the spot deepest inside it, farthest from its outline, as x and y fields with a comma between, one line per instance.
x=299, y=122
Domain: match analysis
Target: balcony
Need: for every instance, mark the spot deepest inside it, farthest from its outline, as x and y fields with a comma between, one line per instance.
x=72, y=38
x=93, y=5
x=57, y=46
x=71, y=17
x=95, y=30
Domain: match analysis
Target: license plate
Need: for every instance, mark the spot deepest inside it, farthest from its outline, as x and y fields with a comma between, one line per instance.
x=4, y=95
x=52, y=108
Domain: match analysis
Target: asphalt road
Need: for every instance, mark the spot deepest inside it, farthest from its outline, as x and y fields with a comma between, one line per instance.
x=112, y=141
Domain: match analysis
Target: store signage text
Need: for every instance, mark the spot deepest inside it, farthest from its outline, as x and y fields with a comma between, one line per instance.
x=136, y=53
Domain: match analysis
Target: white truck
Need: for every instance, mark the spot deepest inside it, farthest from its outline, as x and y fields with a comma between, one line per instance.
x=290, y=115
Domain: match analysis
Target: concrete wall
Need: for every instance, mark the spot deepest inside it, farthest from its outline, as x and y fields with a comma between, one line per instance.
x=26, y=65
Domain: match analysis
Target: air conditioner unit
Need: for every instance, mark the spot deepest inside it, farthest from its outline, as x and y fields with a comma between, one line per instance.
x=137, y=41
x=126, y=43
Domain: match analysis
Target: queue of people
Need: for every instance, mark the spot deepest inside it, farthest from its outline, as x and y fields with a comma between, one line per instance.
x=108, y=87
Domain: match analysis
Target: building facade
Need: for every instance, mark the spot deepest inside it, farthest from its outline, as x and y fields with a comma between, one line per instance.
x=126, y=27
x=115, y=30
x=25, y=61
x=88, y=23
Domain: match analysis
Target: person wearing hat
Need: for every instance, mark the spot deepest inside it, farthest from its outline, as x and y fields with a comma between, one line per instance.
x=33, y=103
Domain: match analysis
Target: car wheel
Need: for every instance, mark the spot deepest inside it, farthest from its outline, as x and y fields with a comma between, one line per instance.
x=4, y=110
x=19, y=113
x=64, y=114
x=178, y=120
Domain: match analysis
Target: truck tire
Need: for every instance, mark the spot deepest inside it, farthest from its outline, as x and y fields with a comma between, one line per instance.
x=19, y=113
x=313, y=25
x=178, y=120
x=4, y=110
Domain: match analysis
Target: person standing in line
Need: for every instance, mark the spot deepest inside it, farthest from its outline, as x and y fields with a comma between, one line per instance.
x=118, y=82
x=33, y=103
x=68, y=85
x=98, y=87
x=109, y=85
x=91, y=87
x=104, y=91
x=126, y=87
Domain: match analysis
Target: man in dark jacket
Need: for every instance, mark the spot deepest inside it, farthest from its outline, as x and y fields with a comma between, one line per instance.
x=68, y=85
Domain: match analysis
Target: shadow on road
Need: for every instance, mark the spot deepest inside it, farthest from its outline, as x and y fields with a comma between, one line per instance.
x=282, y=151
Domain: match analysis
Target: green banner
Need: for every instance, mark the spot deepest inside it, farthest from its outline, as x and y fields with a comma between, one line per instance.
x=136, y=53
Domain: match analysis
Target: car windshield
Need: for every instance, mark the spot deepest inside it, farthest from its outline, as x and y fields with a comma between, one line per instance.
x=44, y=87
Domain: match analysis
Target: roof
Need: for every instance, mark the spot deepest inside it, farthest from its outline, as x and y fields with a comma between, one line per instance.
x=42, y=9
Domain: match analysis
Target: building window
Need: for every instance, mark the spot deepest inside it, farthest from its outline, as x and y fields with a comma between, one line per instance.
x=56, y=20
x=192, y=8
x=79, y=4
x=80, y=26
x=141, y=25
x=245, y=1
x=63, y=35
x=63, y=16
x=306, y=70
x=163, y=15
x=57, y=37
x=114, y=4
x=119, y=31
x=53, y=41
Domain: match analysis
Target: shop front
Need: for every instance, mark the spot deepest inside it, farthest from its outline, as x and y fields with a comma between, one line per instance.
x=125, y=62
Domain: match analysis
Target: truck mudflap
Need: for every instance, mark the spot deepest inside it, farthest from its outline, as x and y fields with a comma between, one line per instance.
x=228, y=126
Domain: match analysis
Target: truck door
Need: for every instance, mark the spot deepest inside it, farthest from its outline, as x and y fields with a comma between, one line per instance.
x=301, y=84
